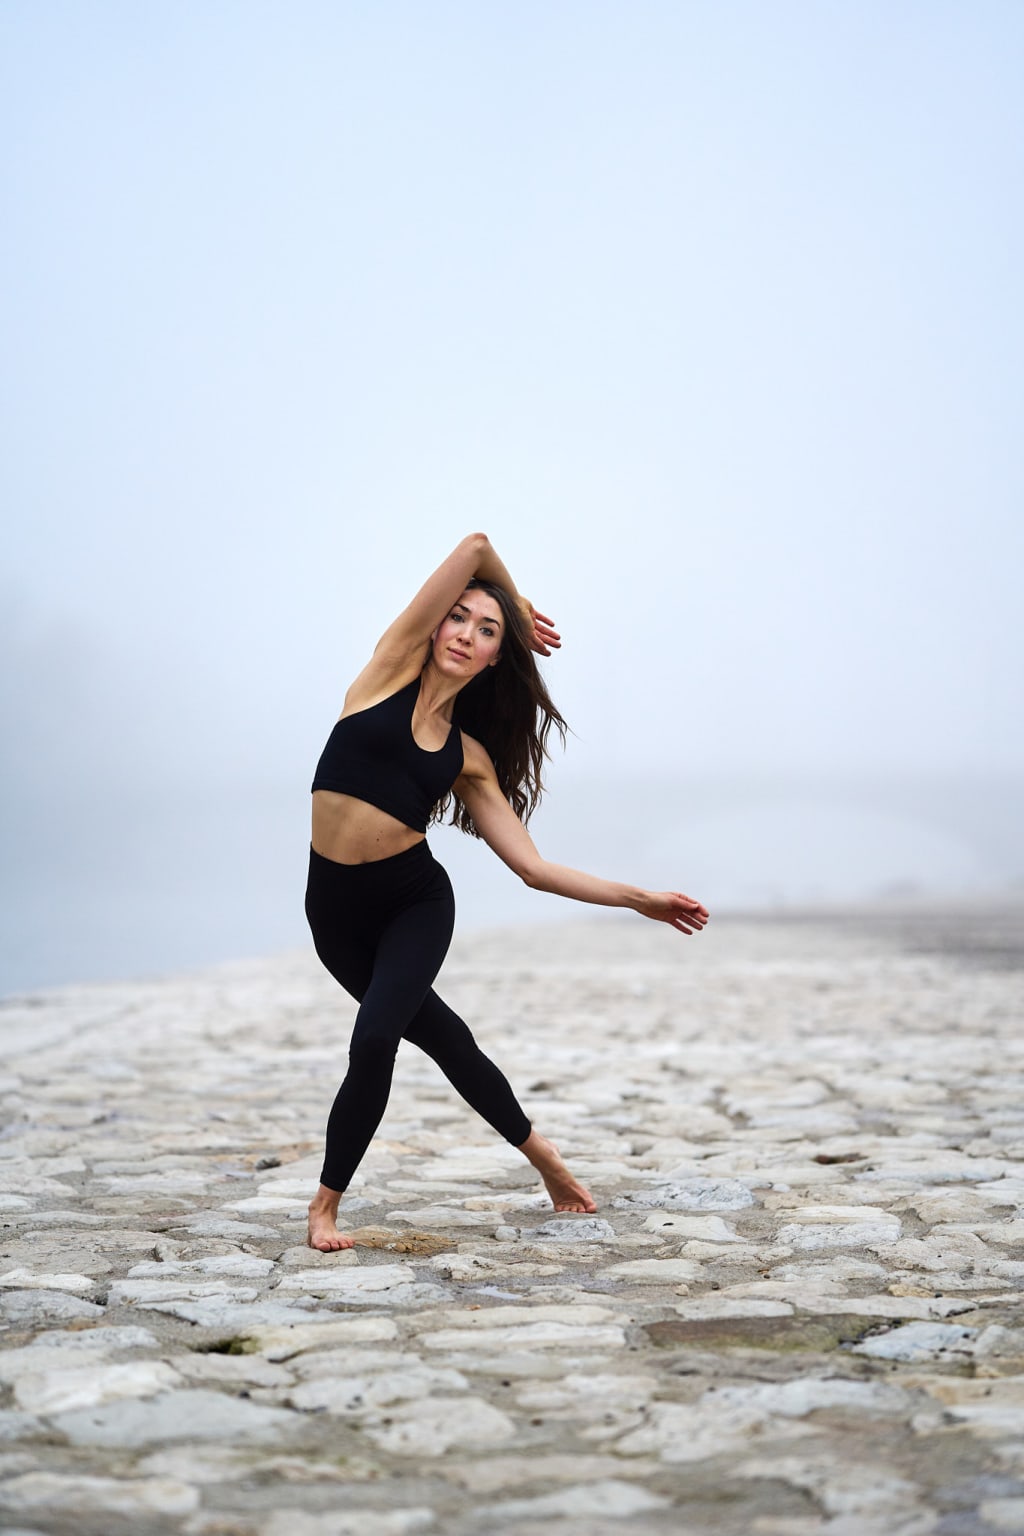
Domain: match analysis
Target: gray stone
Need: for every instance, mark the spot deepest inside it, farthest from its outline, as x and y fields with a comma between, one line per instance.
x=36, y=1307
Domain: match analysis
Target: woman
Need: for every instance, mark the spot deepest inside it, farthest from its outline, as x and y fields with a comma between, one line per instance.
x=380, y=908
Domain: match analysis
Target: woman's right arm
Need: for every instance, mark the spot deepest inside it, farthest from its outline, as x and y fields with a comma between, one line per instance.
x=399, y=653
x=472, y=556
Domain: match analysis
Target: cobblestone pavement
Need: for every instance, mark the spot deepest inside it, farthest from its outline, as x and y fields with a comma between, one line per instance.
x=798, y=1309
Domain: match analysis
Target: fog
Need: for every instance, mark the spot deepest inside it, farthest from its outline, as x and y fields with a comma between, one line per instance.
x=707, y=315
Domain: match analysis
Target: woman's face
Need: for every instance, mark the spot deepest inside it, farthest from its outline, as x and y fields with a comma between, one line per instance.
x=469, y=639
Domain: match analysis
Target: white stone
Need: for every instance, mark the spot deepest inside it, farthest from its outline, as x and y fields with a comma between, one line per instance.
x=690, y=1195
x=708, y=1229
x=347, y=1281
x=920, y=1341
x=608, y=1498
x=62, y=1390
x=498, y=1473
x=435, y=1425
x=443, y=1216
x=830, y=1214
x=56, y=1350
x=146, y=1293
x=854, y=1495
x=583, y=1394
x=18, y=1426
x=131, y=1497
x=349, y=1360
x=238, y=1317
x=533, y=1336
x=189, y=1415
x=232, y=1231
x=815, y=1236
x=279, y=1204
x=654, y=1271
x=575, y=1229
x=242, y=1265
x=356, y=1395
x=1003, y=1514
x=348, y=1522
x=327, y=1329
x=475, y=1318
x=726, y=1419
x=697, y=1307
x=481, y=1266
x=235, y=1369
x=23, y=1279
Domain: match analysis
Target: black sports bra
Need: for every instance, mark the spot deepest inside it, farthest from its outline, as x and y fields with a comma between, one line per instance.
x=373, y=756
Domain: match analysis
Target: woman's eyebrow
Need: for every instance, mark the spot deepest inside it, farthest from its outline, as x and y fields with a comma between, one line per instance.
x=485, y=618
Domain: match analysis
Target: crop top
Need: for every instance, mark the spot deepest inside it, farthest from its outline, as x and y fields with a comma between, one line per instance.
x=373, y=756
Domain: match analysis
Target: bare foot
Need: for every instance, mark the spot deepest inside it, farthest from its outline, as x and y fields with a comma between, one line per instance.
x=567, y=1194
x=323, y=1231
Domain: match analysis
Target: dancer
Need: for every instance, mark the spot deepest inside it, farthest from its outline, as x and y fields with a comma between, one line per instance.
x=450, y=713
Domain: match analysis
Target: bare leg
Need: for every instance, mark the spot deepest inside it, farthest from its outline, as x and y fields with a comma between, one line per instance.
x=567, y=1194
x=323, y=1216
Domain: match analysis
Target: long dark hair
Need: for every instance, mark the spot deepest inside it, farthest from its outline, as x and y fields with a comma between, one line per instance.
x=507, y=708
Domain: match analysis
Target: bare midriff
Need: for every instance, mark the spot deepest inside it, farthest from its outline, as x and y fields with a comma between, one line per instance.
x=352, y=831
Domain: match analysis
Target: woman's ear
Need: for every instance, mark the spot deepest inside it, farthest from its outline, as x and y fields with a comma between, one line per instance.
x=494, y=660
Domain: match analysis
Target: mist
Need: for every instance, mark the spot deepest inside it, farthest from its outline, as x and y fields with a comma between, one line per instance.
x=708, y=317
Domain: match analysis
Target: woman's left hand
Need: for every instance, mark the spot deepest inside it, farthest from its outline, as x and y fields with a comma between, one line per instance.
x=681, y=912
x=541, y=634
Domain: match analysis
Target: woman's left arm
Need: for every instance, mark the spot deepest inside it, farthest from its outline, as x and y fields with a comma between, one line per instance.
x=505, y=835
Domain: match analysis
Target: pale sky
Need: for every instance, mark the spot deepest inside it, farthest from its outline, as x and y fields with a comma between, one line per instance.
x=708, y=314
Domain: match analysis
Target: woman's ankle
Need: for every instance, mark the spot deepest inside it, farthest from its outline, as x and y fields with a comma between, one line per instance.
x=326, y=1199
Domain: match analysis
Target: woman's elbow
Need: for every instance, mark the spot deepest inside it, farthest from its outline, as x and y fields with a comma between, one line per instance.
x=531, y=873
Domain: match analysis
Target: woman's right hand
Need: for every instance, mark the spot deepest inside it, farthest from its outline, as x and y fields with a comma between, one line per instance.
x=541, y=635
x=681, y=912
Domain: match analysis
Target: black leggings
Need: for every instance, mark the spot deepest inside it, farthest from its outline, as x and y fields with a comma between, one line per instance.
x=382, y=930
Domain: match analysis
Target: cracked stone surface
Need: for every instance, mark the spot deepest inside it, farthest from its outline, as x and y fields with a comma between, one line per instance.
x=797, y=1311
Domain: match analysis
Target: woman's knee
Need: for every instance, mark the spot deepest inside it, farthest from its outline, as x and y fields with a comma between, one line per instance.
x=371, y=1050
